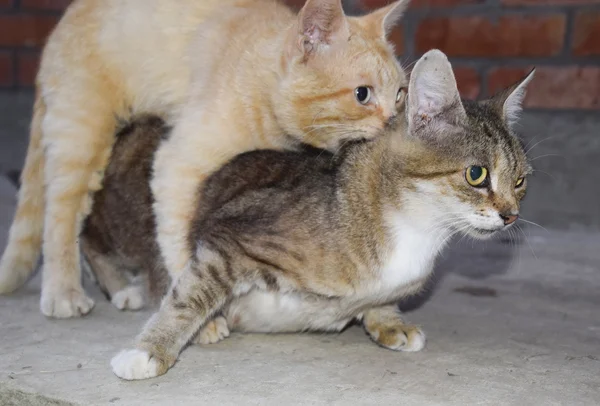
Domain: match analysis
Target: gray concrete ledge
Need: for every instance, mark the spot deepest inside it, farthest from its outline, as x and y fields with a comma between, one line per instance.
x=504, y=327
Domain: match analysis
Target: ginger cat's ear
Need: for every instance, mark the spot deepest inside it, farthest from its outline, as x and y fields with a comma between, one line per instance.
x=509, y=102
x=434, y=104
x=385, y=19
x=321, y=23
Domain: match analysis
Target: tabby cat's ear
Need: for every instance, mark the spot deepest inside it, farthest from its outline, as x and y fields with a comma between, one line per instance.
x=434, y=104
x=509, y=102
x=321, y=23
x=385, y=19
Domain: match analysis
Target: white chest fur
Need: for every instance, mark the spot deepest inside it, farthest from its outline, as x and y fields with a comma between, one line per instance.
x=415, y=244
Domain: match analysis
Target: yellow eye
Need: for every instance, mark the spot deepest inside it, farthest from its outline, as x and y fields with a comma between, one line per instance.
x=477, y=176
x=520, y=182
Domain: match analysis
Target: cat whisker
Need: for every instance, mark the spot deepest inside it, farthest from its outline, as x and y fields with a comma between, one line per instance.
x=550, y=175
x=317, y=115
x=526, y=240
x=544, y=156
x=443, y=223
x=537, y=143
x=535, y=224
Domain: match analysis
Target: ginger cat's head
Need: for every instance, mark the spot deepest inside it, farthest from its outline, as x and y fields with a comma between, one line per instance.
x=341, y=79
x=463, y=155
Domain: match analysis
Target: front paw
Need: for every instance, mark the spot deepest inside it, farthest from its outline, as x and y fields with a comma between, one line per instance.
x=397, y=336
x=64, y=303
x=137, y=364
x=213, y=331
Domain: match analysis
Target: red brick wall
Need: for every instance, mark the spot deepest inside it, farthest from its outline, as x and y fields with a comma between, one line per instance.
x=491, y=43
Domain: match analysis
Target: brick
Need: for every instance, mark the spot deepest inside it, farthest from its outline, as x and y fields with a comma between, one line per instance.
x=6, y=69
x=469, y=82
x=586, y=33
x=45, y=4
x=571, y=87
x=374, y=4
x=25, y=29
x=511, y=35
x=27, y=67
x=6, y=4
x=547, y=2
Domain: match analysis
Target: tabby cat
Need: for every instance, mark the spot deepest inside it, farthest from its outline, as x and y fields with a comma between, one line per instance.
x=294, y=241
x=233, y=74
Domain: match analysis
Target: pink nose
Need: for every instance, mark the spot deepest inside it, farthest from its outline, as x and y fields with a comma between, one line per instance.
x=509, y=219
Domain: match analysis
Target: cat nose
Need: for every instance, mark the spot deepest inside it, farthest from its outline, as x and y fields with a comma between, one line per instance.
x=509, y=219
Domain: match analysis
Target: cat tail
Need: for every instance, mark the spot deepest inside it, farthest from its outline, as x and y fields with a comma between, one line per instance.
x=25, y=237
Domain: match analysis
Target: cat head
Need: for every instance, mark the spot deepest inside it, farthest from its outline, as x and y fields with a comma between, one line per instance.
x=341, y=79
x=468, y=161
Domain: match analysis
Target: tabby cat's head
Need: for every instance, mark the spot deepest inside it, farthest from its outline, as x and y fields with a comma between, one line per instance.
x=466, y=158
x=341, y=77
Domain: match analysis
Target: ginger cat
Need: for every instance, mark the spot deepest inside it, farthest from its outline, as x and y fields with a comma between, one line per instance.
x=295, y=241
x=233, y=75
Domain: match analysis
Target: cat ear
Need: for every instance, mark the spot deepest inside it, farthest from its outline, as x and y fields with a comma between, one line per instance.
x=321, y=22
x=385, y=19
x=433, y=98
x=510, y=101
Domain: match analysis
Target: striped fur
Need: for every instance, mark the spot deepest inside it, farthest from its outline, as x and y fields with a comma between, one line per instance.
x=309, y=240
x=238, y=73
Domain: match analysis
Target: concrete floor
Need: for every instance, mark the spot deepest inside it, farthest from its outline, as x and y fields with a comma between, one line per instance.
x=508, y=323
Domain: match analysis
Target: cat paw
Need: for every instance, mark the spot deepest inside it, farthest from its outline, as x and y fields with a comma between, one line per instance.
x=129, y=298
x=398, y=337
x=65, y=303
x=136, y=364
x=9, y=281
x=213, y=332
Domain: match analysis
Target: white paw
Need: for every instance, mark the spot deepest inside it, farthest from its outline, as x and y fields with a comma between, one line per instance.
x=402, y=337
x=415, y=342
x=130, y=298
x=134, y=364
x=65, y=303
x=213, y=332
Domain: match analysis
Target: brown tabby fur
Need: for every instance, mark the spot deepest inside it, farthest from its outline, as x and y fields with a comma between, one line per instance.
x=292, y=241
x=232, y=75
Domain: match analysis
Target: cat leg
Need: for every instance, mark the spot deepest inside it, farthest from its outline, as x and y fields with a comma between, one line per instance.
x=122, y=293
x=21, y=255
x=385, y=326
x=174, y=187
x=213, y=331
x=181, y=165
x=196, y=295
x=78, y=140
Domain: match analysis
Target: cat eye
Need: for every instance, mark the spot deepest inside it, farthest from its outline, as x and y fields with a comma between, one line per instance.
x=477, y=176
x=399, y=94
x=363, y=94
x=519, y=182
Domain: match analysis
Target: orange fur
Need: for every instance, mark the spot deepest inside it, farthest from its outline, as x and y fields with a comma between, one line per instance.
x=234, y=71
